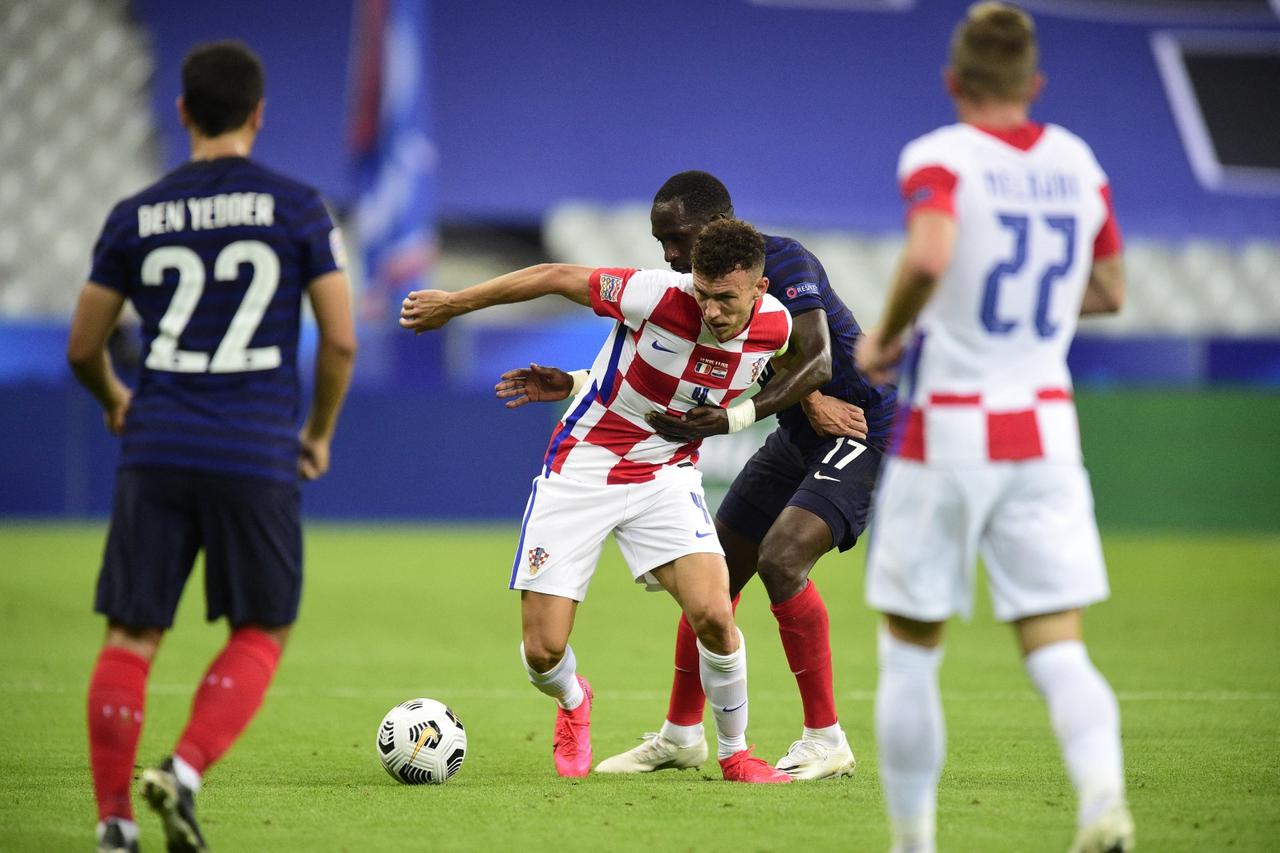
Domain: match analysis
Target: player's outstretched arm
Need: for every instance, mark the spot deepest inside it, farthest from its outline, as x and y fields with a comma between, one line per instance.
x=931, y=237
x=535, y=384
x=424, y=310
x=1105, y=292
x=97, y=310
x=335, y=355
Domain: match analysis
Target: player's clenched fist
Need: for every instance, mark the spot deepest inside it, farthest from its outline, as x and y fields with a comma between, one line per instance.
x=424, y=310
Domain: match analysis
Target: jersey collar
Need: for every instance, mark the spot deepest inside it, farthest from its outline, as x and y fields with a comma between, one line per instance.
x=1023, y=137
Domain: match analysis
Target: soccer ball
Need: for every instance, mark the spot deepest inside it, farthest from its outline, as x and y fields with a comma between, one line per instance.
x=421, y=742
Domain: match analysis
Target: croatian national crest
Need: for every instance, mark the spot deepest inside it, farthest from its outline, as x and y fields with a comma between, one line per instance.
x=537, y=559
x=757, y=368
x=610, y=287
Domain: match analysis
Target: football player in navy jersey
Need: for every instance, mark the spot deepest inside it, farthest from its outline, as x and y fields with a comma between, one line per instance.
x=216, y=258
x=806, y=491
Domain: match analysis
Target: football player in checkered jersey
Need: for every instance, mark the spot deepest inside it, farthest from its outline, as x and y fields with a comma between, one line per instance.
x=1010, y=238
x=680, y=341
x=805, y=492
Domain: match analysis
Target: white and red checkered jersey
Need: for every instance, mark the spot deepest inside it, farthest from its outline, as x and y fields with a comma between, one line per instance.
x=661, y=357
x=986, y=374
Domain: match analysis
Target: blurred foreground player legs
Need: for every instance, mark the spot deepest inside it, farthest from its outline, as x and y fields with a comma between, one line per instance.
x=216, y=258
x=1010, y=237
x=806, y=491
x=680, y=341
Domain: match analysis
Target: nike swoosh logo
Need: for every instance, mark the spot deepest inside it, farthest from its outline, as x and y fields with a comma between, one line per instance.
x=819, y=476
x=422, y=739
x=736, y=707
x=661, y=348
x=704, y=535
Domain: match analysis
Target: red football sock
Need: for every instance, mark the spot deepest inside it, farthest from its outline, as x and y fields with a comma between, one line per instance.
x=117, y=694
x=228, y=697
x=687, y=698
x=806, y=638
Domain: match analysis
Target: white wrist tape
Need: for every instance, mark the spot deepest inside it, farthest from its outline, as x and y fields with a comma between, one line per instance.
x=741, y=415
x=580, y=378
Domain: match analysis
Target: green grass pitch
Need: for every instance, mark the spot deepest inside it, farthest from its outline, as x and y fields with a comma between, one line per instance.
x=1190, y=640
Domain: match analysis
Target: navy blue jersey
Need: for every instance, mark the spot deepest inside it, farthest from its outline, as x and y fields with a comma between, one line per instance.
x=798, y=281
x=216, y=257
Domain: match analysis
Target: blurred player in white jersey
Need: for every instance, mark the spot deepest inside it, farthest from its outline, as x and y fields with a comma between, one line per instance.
x=681, y=341
x=1010, y=237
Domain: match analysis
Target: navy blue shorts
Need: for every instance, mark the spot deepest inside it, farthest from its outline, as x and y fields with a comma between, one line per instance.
x=833, y=480
x=250, y=530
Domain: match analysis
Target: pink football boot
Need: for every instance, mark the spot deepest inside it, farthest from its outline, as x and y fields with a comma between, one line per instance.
x=573, y=736
x=744, y=767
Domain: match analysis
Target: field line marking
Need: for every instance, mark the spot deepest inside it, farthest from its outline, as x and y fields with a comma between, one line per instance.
x=519, y=693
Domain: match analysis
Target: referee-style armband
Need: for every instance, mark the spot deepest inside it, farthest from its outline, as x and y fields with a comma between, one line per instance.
x=580, y=378
x=741, y=415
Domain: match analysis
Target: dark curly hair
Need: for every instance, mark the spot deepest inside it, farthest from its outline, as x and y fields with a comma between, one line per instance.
x=222, y=83
x=726, y=245
x=703, y=195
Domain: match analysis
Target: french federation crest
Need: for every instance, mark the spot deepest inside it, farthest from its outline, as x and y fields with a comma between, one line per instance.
x=610, y=287
x=537, y=559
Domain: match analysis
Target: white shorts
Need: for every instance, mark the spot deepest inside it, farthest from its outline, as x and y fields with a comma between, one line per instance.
x=1032, y=522
x=566, y=522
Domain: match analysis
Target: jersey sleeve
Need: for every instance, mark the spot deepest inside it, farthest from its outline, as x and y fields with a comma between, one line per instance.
x=628, y=295
x=110, y=266
x=1108, y=241
x=323, y=250
x=927, y=178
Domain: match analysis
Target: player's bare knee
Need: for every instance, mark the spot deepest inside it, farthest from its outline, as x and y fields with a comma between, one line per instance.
x=784, y=567
x=1036, y=632
x=927, y=634
x=278, y=633
x=542, y=653
x=713, y=623
x=143, y=642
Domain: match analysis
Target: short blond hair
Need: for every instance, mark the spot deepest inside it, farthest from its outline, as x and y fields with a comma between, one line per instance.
x=994, y=54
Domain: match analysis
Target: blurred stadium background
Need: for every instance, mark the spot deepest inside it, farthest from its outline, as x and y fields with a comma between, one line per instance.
x=459, y=140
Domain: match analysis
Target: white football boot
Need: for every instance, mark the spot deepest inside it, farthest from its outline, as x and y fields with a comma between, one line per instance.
x=1112, y=832
x=809, y=759
x=655, y=752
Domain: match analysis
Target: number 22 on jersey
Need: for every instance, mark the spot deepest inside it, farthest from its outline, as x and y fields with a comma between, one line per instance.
x=233, y=354
x=1021, y=227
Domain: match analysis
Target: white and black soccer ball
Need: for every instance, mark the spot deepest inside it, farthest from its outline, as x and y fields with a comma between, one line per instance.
x=421, y=742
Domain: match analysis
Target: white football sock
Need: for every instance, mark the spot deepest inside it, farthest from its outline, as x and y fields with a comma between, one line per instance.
x=683, y=735
x=187, y=775
x=832, y=736
x=560, y=682
x=912, y=738
x=127, y=827
x=1086, y=719
x=724, y=680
